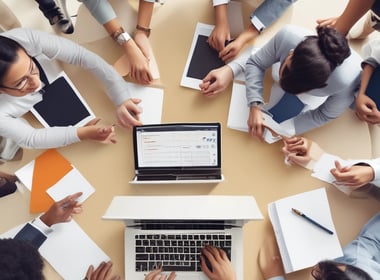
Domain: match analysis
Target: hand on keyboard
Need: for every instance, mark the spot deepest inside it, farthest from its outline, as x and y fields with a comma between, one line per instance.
x=221, y=267
x=158, y=275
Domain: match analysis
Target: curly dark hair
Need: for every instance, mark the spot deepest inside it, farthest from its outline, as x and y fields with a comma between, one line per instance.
x=19, y=261
x=329, y=270
x=313, y=61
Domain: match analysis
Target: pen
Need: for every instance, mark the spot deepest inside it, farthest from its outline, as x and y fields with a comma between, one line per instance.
x=299, y=213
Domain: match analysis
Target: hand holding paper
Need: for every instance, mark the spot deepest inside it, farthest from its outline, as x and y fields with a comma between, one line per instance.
x=62, y=211
x=353, y=176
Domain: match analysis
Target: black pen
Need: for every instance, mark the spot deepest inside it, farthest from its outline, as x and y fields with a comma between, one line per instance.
x=299, y=213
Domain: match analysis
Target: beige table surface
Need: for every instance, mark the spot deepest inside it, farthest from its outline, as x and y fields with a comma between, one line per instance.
x=250, y=167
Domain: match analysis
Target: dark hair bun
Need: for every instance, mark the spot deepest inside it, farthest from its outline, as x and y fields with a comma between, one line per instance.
x=333, y=45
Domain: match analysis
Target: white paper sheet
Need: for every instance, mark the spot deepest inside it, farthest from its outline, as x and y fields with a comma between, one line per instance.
x=25, y=174
x=323, y=166
x=151, y=102
x=71, y=183
x=68, y=249
x=295, y=235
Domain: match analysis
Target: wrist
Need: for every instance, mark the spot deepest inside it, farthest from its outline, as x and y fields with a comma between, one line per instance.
x=45, y=219
x=221, y=14
x=256, y=104
x=120, y=36
x=83, y=133
x=143, y=29
x=250, y=32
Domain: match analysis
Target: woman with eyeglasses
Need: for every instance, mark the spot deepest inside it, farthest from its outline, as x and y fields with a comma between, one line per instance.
x=320, y=65
x=20, y=84
x=360, y=260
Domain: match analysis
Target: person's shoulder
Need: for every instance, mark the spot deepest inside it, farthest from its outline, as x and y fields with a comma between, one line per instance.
x=20, y=34
x=372, y=48
x=289, y=36
x=295, y=31
x=14, y=31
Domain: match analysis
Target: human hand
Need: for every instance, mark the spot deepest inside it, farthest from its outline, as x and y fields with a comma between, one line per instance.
x=128, y=113
x=62, y=211
x=219, y=36
x=157, y=275
x=366, y=109
x=216, y=81
x=103, y=272
x=256, y=123
x=269, y=259
x=327, y=22
x=296, y=150
x=139, y=59
x=221, y=266
x=234, y=47
x=354, y=176
x=93, y=131
x=231, y=50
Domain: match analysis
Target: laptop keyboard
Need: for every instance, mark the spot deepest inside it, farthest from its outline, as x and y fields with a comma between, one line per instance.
x=177, y=252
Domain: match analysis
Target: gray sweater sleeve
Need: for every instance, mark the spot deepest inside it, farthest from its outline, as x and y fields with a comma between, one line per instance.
x=55, y=47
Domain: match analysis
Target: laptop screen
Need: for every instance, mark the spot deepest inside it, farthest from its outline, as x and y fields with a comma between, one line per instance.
x=172, y=146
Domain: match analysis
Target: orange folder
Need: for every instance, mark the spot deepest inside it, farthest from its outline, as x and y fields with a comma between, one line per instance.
x=49, y=168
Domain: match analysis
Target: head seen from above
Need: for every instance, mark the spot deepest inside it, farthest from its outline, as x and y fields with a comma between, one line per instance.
x=331, y=270
x=19, y=75
x=310, y=64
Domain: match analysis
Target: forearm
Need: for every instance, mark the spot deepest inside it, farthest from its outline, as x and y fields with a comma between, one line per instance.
x=254, y=76
x=248, y=34
x=366, y=76
x=35, y=232
x=238, y=64
x=220, y=14
x=43, y=138
x=354, y=10
x=332, y=108
x=375, y=165
x=55, y=47
x=145, y=12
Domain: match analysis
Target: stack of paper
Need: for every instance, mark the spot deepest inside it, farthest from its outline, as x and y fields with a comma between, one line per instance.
x=301, y=243
x=322, y=170
x=51, y=177
x=151, y=102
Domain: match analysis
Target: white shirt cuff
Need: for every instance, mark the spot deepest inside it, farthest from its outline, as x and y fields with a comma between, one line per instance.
x=219, y=2
x=41, y=226
x=257, y=23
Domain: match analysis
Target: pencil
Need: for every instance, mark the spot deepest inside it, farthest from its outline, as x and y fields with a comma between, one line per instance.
x=299, y=213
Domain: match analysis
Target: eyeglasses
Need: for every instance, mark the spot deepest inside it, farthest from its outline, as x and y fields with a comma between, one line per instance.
x=21, y=84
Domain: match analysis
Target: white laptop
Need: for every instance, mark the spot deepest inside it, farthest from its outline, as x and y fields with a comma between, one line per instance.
x=171, y=230
x=177, y=153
